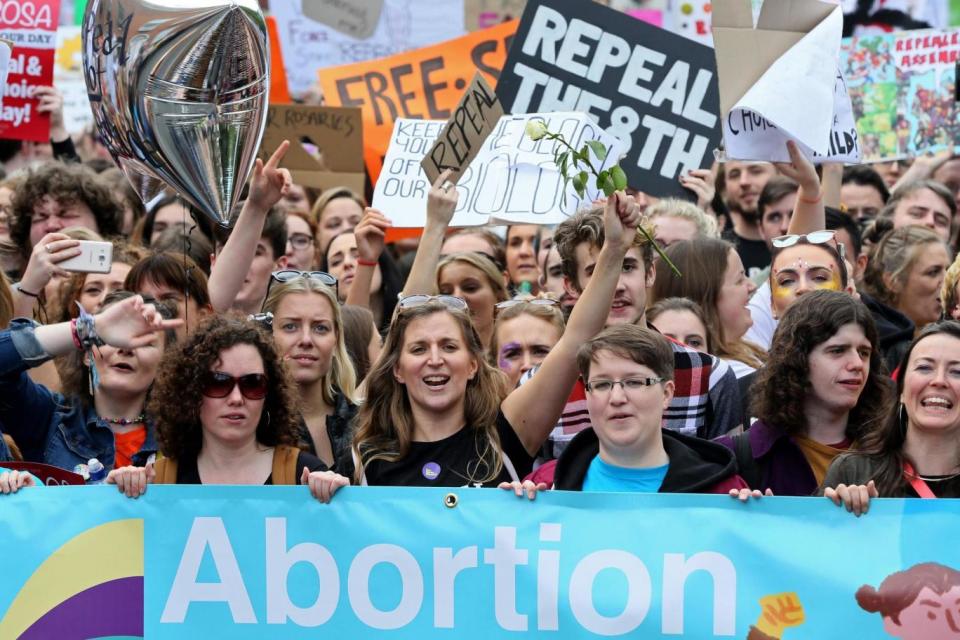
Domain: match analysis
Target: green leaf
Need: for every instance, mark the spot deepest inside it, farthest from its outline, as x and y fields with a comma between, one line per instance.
x=619, y=177
x=608, y=186
x=598, y=149
x=579, y=184
x=600, y=179
x=561, y=160
x=584, y=154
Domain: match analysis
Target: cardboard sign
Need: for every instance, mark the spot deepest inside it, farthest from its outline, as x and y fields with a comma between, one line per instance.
x=654, y=90
x=512, y=180
x=48, y=474
x=404, y=25
x=423, y=84
x=481, y=14
x=471, y=123
x=903, y=89
x=357, y=18
x=326, y=144
x=31, y=25
x=780, y=81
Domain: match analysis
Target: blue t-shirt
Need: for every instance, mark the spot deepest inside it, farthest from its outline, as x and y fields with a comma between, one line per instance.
x=606, y=477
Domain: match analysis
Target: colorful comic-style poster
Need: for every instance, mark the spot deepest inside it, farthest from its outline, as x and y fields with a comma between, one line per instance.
x=903, y=89
x=31, y=25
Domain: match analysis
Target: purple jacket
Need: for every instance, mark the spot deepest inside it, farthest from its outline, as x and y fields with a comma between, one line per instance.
x=783, y=467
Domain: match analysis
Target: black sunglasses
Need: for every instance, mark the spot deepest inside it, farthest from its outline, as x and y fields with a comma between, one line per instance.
x=217, y=384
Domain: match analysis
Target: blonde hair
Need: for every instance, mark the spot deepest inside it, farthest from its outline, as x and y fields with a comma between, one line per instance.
x=341, y=374
x=894, y=257
x=948, y=294
x=329, y=196
x=549, y=313
x=385, y=422
x=478, y=261
x=676, y=208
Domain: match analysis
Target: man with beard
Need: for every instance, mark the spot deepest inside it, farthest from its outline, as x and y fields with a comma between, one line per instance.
x=744, y=182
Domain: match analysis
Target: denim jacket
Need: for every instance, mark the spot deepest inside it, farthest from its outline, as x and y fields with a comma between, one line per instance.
x=47, y=426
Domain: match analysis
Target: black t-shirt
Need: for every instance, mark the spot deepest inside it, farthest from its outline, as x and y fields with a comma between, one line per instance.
x=754, y=254
x=945, y=487
x=187, y=472
x=454, y=461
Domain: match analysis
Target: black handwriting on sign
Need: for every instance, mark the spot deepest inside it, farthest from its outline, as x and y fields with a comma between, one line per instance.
x=108, y=39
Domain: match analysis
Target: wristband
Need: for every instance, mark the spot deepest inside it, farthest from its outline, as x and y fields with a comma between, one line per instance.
x=811, y=200
x=75, y=336
x=27, y=293
x=366, y=263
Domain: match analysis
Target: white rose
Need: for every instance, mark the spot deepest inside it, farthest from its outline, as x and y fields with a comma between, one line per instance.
x=535, y=129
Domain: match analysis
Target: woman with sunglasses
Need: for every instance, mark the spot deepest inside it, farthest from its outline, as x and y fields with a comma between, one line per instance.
x=441, y=415
x=101, y=411
x=916, y=451
x=225, y=411
x=823, y=389
x=308, y=331
x=525, y=331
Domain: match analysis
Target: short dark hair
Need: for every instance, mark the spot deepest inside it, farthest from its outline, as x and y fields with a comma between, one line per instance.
x=173, y=270
x=67, y=184
x=643, y=346
x=777, y=187
x=865, y=176
x=587, y=226
x=274, y=230
x=836, y=220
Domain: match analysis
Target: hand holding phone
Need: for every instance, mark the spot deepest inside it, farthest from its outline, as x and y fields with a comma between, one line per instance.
x=95, y=257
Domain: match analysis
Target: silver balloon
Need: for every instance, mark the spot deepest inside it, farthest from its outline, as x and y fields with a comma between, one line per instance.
x=179, y=92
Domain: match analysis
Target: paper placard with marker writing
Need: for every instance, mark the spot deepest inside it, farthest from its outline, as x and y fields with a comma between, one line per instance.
x=654, y=90
x=460, y=141
x=513, y=179
x=781, y=81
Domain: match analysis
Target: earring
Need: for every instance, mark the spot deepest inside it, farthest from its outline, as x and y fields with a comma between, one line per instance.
x=267, y=422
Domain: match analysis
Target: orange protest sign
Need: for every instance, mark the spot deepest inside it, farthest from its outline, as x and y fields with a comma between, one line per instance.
x=279, y=92
x=424, y=83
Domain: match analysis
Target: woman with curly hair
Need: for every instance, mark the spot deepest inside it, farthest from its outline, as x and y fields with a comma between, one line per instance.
x=224, y=406
x=916, y=451
x=101, y=411
x=308, y=332
x=823, y=389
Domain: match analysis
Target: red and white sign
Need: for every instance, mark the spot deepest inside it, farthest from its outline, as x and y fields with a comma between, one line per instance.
x=31, y=25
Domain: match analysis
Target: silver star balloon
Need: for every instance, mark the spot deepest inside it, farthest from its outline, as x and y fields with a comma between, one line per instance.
x=179, y=92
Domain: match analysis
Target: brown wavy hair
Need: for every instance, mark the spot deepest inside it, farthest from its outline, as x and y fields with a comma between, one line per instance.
x=780, y=389
x=385, y=422
x=176, y=398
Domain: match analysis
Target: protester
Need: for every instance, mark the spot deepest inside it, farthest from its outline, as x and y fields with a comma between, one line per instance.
x=675, y=220
x=176, y=281
x=822, y=390
x=916, y=452
x=476, y=240
x=301, y=252
x=336, y=211
x=683, y=320
x=225, y=411
x=166, y=213
x=552, y=281
x=522, y=249
x=101, y=412
x=863, y=193
x=91, y=289
x=126, y=196
x=345, y=262
x=309, y=336
x=525, y=331
x=744, y=182
x=714, y=278
x=922, y=202
x=192, y=243
x=947, y=173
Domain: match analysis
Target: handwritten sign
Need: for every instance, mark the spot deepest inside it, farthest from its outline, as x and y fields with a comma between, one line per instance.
x=31, y=27
x=471, y=123
x=654, y=90
x=512, y=180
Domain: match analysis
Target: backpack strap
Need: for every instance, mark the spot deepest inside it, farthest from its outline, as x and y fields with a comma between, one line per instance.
x=165, y=470
x=285, y=465
x=747, y=465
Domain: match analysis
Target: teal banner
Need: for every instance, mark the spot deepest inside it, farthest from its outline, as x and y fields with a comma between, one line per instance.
x=258, y=562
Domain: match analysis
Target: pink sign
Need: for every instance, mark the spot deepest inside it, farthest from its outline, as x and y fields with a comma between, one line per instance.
x=652, y=16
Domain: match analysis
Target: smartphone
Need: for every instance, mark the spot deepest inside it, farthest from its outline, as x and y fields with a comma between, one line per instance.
x=95, y=257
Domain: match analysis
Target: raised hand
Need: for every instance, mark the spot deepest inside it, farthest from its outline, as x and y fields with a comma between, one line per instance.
x=51, y=250
x=701, y=182
x=800, y=169
x=131, y=323
x=51, y=101
x=269, y=182
x=370, y=233
x=780, y=611
x=323, y=484
x=442, y=200
x=621, y=216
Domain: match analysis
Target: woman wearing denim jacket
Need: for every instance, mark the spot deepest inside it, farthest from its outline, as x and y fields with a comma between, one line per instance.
x=103, y=421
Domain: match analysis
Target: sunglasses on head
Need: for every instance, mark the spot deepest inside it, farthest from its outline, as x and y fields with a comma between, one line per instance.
x=286, y=275
x=450, y=302
x=547, y=302
x=217, y=384
x=826, y=238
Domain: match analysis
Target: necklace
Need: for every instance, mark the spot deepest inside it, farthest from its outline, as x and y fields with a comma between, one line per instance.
x=938, y=478
x=124, y=422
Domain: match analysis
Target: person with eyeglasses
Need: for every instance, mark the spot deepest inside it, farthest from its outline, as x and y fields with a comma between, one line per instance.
x=301, y=253
x=525, y=331
x=439, y=414
x=307, y=328
x=824, y=388
x=628, y=373
x=110, y=361
x=225, y=408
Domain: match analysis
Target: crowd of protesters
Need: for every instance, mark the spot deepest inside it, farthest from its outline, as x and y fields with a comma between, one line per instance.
x=806, y=344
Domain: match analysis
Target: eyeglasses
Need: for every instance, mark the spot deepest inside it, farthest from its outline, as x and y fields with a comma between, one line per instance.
x=300, y=241
x=286, y=275
x=217, y=384
x=629, y=384
x=506, y=304
x=450, y=302
x=817, y=237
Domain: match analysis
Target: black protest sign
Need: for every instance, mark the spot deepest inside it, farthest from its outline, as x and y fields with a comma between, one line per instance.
x=655, y=90
x=460, y=141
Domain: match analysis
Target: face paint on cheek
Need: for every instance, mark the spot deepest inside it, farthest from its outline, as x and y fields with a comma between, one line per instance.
x=505, y=349
x=833, y=284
